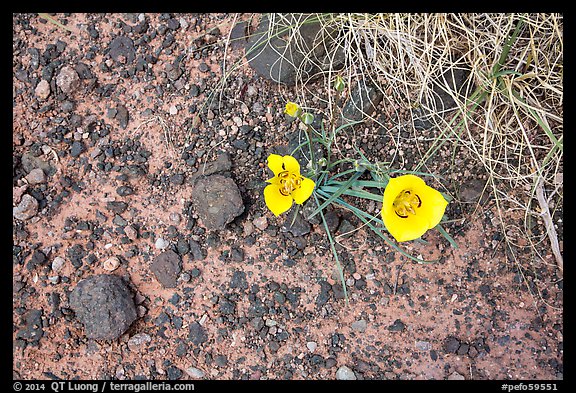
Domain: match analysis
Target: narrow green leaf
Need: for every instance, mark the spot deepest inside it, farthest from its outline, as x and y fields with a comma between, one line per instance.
x=336, y=194
x=54, y=21
x=352, y=192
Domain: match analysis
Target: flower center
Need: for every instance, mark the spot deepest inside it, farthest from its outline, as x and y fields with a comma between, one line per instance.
x=289, y=182
x=406, y=203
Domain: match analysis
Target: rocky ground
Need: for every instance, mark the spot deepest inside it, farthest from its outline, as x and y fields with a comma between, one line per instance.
x=142, y=247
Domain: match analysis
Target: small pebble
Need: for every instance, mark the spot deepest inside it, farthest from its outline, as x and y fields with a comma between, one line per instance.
x=345, y=374
x=42, y=89
x=131, y=233
x=111, y=264
x=311, y=345
x=261, y=223
x=359, y=326
x=173, y=110
x=54, y=279
x=26, y=209
x=175, y=218
x=161, y=244
x=138, y=340
x=194, y=372
x=57, y=264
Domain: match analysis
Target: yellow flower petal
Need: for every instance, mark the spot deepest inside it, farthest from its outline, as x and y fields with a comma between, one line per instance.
x=275, y=163
x=291, y=165
x=405, y=229
x=428, y=214
x=301, y=194
x=275, y=201
x=433, y=205
x=292, y=109
x=278, y=164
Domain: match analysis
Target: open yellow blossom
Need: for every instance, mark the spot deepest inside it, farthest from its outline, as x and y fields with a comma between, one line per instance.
x=410, y=207
x=292, y=109
x=287, y=185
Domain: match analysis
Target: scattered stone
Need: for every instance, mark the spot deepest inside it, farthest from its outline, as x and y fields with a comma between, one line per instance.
x=397, y=326
x=217, y=201
x=119, y=221
x=261, y=223
x=222, y=164
x=423, y=345
x=455, y=376
x=473, y=191
x=360, y=326
x=239, y=280
x=122, y=48
x=238, y=35
x=167, y=267
x=463, y=349
x=194, y=372
x=54, y=279
x=58, y=264
x=42, y=90
x=197, y=335
x=31, y=328
x=26, y=209
x=221, y=360
x=130, y=232
x=161, y=244
x=177, y=179
x=345, y=374
x=117, y=207
x=68, y=80
x=111, y=264
x=17, y=193
x=77, y=148
x=122, y=116
x=104, y=305
x=36, y=176
x=311, y=345
x=173, y=110
x=451, y=344
x=137, y=341
x=174, y=373
x=38, y=258
x=29, y=162
x=196, y=251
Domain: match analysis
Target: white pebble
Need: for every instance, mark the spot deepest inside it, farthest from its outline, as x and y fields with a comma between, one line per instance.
x=57, y=264
x=311, y=345
x=161, y=244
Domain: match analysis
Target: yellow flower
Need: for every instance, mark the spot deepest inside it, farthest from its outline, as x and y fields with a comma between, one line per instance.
x=287, y=185
x=292, y=109
x=410, y=207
